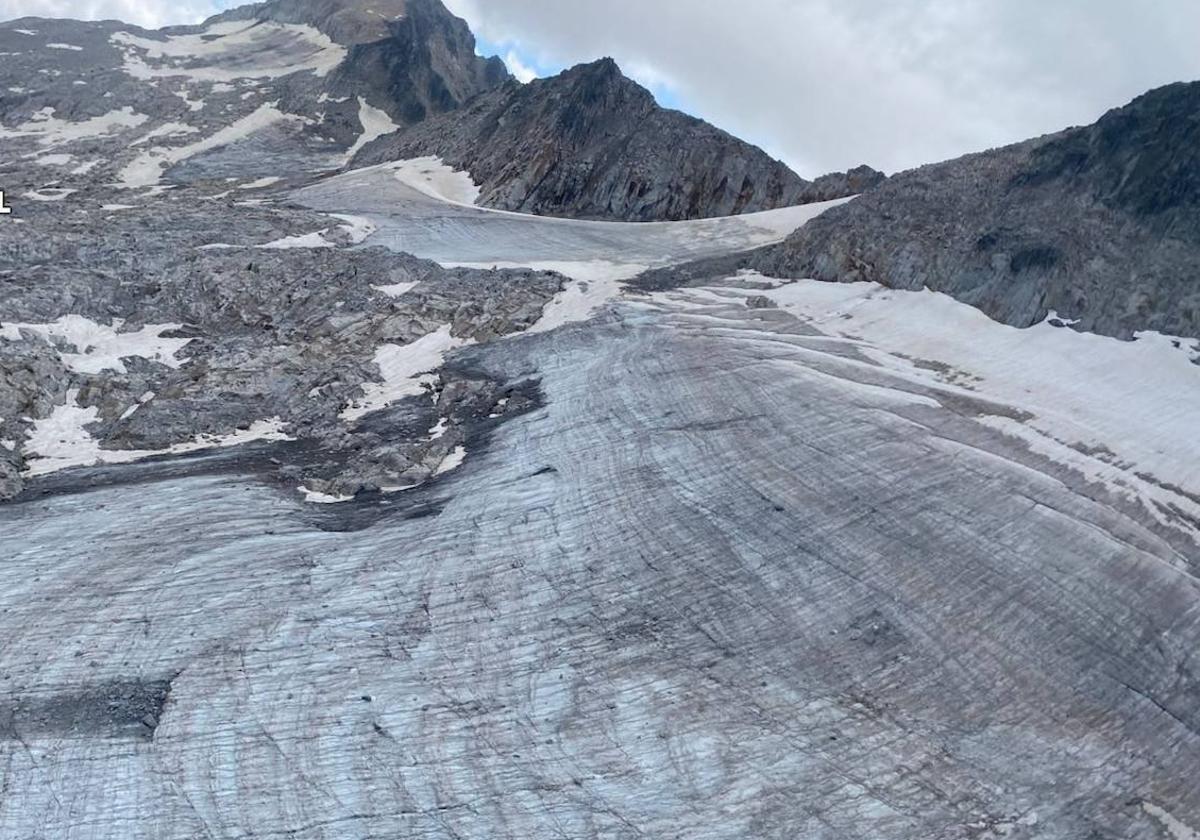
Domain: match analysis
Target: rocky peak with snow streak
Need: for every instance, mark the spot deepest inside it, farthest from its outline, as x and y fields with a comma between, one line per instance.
x=592, y=143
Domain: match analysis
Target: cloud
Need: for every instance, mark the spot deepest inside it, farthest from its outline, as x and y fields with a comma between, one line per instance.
x=522, y=72
x=147, y=13
x=827, y=84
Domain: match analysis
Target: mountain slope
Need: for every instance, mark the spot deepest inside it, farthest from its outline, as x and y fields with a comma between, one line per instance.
x=283, y=90
x=1101, y=224
x=591, y=143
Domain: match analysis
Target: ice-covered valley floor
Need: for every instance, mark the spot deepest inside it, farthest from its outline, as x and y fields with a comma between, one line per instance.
x=756, y=560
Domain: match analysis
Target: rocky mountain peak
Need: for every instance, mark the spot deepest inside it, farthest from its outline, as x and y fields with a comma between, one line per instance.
x=593, y=143
x=1143, y=158
x=601, y=84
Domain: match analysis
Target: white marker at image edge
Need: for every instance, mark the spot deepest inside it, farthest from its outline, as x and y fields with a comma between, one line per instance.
x=4, y=209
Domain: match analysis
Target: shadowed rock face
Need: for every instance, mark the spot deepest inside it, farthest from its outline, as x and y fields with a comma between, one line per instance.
x=1143, y=159
x=1099, y=223
x=591, y=143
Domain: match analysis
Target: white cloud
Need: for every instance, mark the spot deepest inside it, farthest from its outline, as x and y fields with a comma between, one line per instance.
x=828, y=84
x=147, y=13
x=520, y=70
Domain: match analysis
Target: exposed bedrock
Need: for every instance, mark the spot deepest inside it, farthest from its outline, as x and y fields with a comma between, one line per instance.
x=592, y=144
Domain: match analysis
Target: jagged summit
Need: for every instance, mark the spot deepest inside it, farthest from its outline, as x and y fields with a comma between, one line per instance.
x=592, y=143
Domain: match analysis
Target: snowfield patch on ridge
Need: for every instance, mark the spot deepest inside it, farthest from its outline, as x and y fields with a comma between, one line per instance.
x=405, y=369
x=62, y=441
x=52, y=131
x=225, y=52
x=375, y=122
x=99, y=347
x=147, y=169
x=431, y=176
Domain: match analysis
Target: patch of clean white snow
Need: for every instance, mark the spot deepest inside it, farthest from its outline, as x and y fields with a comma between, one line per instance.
x=432, y=177
x=54, y=160
x=1114, y=411
x=261, y=183
x=70, y=47
x=171, y=129
x=313, y=497
x=132, y=410
x=49, y=194
x=99, y=347
x=452, y=461
x=62, y=440
x=405, y=370
x=394, y=290
x=52, y=131
x=357, y=228
x=308, y=240
x=375, y=122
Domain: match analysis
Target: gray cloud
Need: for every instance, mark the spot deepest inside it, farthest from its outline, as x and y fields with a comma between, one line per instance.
x=827, y=84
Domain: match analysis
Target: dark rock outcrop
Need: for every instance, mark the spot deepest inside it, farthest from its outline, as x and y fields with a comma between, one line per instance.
x=591, y=143
x=1101, y=224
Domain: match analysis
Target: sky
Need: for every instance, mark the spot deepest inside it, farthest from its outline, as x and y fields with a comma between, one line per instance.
x=827, y=84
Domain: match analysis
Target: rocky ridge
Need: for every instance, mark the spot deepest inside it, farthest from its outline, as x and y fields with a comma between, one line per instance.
x=593, y=144
x=1100, y=224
